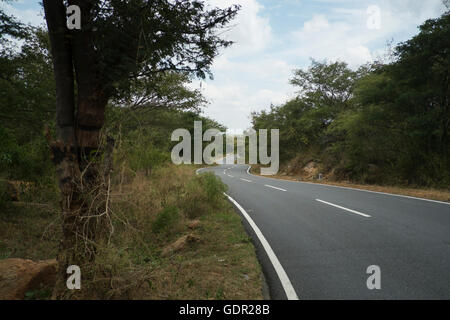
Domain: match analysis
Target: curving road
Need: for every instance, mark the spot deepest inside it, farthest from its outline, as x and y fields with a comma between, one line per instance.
x=326, y=237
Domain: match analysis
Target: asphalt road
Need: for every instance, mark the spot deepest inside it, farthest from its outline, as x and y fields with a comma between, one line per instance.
x=326, y=237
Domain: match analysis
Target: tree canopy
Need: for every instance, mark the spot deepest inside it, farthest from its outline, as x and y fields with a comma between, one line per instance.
x=385, y=123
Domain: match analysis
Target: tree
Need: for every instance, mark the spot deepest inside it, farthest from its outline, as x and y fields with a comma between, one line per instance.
x=27, y=89
x=162, y=91
x=26, y=101
x=397, y=130
x=9, y=26
x=325, y=90
x=118, y=41
x=422, y=74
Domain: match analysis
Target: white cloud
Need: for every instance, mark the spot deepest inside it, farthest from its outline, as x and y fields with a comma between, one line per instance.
x=232, y=104
x=239, y=70
x=269, y=68
x=250, y=31
x=28, y=16
x=321, y=39
x=343, y=33
x=317, y=24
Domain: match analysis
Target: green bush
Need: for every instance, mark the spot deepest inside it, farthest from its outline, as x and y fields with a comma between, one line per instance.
x=165, y=220
x=29, y=161
x=146, y=157
x=213, y=187
x=194, y=203
x=202, y=193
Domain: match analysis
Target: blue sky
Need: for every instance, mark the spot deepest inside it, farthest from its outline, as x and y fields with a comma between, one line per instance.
x=273, y=37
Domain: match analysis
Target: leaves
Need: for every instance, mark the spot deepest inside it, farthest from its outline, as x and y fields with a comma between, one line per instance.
x=392, y=117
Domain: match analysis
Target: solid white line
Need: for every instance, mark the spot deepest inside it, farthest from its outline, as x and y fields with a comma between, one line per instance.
x=267, y=185
x=245, y=180
x=284, y=279
x=343, y=208
x=349, y=188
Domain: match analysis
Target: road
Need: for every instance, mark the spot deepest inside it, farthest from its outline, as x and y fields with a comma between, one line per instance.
x=325, y=238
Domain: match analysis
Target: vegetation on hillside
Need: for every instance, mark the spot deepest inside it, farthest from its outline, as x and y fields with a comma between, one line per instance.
x=384, y=123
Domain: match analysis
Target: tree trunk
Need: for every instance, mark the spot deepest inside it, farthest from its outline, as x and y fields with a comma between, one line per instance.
x=76, y=150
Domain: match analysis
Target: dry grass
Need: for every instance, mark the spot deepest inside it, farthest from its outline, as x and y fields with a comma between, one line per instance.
x=29, y=231
x=221, y=265
x=433, y=194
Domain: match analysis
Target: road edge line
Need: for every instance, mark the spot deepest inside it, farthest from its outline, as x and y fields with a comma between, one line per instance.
x=349, y=188
x=282, y=275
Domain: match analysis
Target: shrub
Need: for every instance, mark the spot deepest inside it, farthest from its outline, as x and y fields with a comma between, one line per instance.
x=165, y=220
x=29, y=161
x=213, y=187
x=193, y=202
x=202, y=193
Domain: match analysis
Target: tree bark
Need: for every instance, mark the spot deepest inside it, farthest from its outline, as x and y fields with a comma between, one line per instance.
x=76, y=149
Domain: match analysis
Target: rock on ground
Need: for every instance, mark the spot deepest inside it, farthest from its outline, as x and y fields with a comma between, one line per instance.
x=193, y=224
x=18, y=276
x=180, y=244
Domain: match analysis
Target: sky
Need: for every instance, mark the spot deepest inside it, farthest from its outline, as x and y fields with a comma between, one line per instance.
x=274, y=37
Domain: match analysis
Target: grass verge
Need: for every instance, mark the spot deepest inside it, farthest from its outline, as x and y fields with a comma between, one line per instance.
x=146, y=257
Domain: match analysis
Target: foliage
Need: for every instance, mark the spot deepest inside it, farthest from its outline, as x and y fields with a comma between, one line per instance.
x=213, y=186
x=379, y=124
x=27, y=97
x=143, y=38
x=26, y=105
x=202, y=193
x=165, y=219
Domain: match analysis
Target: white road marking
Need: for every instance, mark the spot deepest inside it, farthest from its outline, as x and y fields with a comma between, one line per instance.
x=230, y=176
x=355, y=189
x=284, y=279
x=245, y=180
x=268, y=185
x=343, y=208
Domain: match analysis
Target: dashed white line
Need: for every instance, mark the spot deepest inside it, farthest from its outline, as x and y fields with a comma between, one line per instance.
x=268, y=185
x=245, y=180
x=351, y=188
x=230, y=176
x=343, y=208
x=284, y=279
